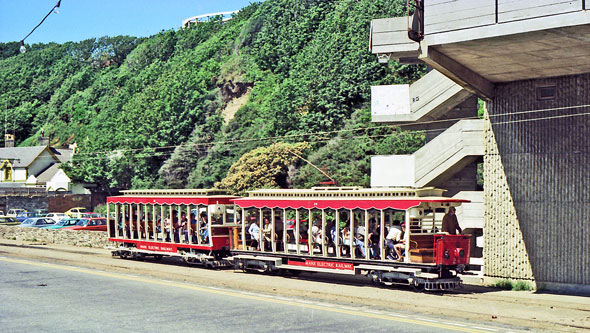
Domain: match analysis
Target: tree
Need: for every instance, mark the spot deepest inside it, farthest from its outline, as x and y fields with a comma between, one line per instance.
x=264, y=167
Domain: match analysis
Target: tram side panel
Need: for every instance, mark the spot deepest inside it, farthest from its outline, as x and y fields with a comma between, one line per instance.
x=444, y=253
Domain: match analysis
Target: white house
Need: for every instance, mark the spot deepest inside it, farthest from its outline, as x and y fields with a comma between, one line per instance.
x=37, y=166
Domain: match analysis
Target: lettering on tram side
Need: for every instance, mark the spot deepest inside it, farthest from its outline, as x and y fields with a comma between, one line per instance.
x=162, y=248
x=323, y=264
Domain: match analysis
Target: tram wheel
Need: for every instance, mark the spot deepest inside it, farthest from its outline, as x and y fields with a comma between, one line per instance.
x=418, y=287
x=157, y=257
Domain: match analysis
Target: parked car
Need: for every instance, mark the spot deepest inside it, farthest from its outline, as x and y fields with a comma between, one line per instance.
x=92, y=224
x=25, y=215
x=89, y=215
x=36, y=222
x=76, y=211
x=13, y=212
x=67, y=222
x=56, y=216
x=8, y=220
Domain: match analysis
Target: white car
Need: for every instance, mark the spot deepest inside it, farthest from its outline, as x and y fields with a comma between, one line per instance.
x=56, y=216
x=14, y=212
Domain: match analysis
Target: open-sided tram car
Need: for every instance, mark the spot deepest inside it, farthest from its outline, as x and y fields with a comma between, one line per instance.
x=431, y=258
x=150, y=223
x=168, y=223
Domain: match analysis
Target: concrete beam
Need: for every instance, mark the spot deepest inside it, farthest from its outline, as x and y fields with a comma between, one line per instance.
x=465, y=77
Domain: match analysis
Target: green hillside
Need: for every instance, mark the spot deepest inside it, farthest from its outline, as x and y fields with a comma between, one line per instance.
x=179, y=108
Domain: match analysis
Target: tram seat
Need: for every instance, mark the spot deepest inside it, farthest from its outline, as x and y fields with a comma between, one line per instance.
x=331, y=248
x=422, y=255
x=142, y=228
x=318, y=245
x=422, y=248
x=344, y=249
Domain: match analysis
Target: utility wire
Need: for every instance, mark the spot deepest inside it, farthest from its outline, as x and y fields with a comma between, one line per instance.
x=22, y=41
x=161, y=154
x=203, y=147
x=291, y=136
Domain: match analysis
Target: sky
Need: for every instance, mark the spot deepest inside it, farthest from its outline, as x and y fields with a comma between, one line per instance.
x=82, y=19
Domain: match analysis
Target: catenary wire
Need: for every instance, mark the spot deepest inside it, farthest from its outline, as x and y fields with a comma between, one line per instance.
x=204, y=146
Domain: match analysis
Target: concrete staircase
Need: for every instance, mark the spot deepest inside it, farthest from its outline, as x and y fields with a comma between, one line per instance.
x=432, y=97
x=436, y=162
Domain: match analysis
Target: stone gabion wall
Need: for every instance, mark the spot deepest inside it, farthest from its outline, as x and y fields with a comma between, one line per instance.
x=537, y=185
x=505, y=253
x=50, y=236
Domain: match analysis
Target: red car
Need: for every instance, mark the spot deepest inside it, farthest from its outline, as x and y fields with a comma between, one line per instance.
x=92, y=224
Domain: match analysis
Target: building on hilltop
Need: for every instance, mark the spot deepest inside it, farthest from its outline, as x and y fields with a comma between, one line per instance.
x=225, y=16
x=529, y=61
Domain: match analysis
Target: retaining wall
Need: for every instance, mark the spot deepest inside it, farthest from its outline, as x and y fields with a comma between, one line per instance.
x=55, y=236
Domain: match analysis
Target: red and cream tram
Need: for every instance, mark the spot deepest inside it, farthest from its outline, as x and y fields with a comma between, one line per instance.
x=343, y=230
x=340, y=230
x=192, y=224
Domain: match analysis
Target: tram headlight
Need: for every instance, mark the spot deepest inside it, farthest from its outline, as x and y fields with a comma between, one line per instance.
x=459, y=253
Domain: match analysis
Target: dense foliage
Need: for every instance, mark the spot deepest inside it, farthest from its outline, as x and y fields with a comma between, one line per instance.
x=178, y=109
x=263, y=167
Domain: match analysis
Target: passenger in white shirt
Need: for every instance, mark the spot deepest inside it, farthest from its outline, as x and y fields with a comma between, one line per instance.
x=254, y=232
x=395, y=241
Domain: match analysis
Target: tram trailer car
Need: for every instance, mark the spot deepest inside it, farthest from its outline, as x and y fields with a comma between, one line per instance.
x=194, y=225
x=343, y=230
x=430, y=259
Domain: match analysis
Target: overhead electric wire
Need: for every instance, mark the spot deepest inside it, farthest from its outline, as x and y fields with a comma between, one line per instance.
x=204, y=146
x=22, y=41
x=270, y=138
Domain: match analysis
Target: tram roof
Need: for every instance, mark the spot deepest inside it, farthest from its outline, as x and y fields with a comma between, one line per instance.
x=345, y=198
x=173, y=197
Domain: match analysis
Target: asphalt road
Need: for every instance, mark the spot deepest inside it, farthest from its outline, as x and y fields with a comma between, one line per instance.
x=40, y=296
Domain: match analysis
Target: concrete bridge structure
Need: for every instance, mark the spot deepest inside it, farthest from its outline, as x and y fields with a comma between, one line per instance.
x=529, y=61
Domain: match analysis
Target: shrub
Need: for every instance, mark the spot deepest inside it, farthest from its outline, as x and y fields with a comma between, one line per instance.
x=520, y=285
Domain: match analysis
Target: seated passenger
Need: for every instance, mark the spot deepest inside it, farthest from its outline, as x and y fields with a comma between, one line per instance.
x=254, y=231
x=279, y=227
x=166, y=226
x=374, y=237
x=316, y=233
x=193, y=222
x=359, y=239
x=345, y=236
x=345, y=241
x=395, y=241
x=333, y=233
x=267, y=233
x=176, y=227
x=204, y=228
x=184, y=226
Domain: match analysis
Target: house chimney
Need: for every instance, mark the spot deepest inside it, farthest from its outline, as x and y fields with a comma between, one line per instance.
x=8, y=140
x=43, y=141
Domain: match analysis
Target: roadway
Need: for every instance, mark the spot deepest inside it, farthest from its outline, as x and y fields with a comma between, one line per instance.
x=41, y=296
